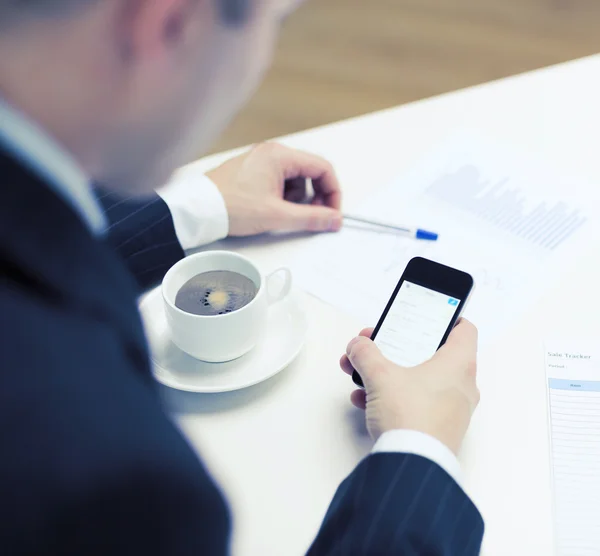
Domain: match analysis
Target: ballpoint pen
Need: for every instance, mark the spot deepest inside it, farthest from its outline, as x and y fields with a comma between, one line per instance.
x=416, y=233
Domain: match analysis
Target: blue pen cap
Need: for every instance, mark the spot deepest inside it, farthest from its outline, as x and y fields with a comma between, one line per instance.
x=424, y=234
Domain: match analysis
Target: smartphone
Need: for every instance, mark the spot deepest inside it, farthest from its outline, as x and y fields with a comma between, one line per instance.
x=423, y=310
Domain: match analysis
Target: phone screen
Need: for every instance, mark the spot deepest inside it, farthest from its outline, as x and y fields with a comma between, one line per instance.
x=415, y=324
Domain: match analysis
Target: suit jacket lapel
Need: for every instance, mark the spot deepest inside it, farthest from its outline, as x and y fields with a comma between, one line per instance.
x=45, y=245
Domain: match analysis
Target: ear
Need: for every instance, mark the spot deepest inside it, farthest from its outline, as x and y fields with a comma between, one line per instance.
x=154, y=27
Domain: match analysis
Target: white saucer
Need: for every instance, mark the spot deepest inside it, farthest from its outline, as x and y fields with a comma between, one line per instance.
x=280, y=344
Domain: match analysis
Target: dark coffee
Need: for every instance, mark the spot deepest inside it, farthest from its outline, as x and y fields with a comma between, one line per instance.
x=215, y=293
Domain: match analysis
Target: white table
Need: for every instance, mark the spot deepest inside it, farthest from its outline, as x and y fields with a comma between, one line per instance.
x=280, y=449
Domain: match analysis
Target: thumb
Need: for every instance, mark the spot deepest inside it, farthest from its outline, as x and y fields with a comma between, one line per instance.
x=366, y=358
x=310, y=218
x=461, y=345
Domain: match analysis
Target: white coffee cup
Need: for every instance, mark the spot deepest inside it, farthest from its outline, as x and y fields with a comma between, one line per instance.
x=220, y=338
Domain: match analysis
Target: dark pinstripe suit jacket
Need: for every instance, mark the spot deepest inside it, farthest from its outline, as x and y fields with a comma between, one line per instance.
x=90, y=464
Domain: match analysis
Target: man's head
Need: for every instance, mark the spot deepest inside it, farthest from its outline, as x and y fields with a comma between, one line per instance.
x=134, y=88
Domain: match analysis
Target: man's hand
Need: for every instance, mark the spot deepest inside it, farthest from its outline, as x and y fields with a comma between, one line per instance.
x=265, y=190
x=437, y=398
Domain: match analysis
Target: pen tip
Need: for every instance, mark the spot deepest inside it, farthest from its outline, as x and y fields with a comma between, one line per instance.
x=429, y=236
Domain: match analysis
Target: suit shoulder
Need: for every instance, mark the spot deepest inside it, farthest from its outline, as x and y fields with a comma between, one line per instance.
x=76, y=420
x=73, y=375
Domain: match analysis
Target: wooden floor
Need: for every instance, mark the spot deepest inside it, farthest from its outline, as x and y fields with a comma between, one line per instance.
x=342, y=58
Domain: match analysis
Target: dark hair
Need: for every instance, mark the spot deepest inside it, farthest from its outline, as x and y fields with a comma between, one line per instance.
x=233, y=12
x=45, y=7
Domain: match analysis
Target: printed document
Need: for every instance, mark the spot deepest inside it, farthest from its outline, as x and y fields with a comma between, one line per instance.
x=513, y=225
x=573, y=377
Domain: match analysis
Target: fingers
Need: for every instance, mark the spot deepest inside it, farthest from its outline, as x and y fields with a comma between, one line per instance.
x=465, y=331
x=295, y=163
x=295, y=190
x=345, y=364
x=462, y=340
x=367, y=332
x=309, y=218
x=294, y=166
x=328, y=192
x=365, y=357
x=359, y=399
x=460, y=350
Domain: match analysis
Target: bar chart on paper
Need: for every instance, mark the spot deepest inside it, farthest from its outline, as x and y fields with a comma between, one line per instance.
x=546, y=225
x=513, y=225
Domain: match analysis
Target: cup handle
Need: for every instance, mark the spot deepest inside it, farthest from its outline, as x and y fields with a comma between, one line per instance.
x=283, y=291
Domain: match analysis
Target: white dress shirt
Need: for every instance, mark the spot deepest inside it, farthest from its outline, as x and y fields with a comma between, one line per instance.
x=199, y=216
x=197, y=207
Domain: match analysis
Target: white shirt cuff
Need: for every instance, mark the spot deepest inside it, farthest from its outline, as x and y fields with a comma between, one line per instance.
x=197, y=207
x=420, y=444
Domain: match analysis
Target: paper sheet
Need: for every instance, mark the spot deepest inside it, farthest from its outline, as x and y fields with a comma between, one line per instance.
x=573, y=375
x=514, y=226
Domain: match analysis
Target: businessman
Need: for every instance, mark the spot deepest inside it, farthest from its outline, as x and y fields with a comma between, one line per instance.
x=119, y=93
